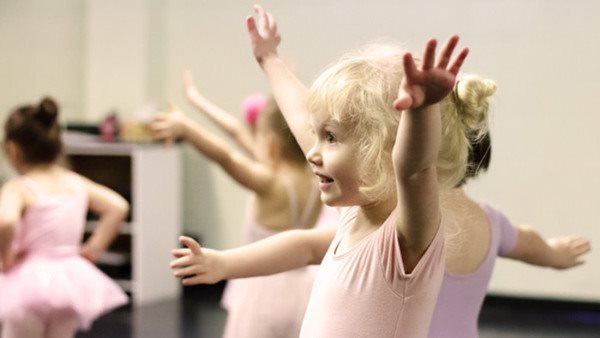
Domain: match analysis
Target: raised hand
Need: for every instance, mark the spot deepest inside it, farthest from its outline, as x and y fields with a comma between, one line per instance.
x=264, y=36
x=433, y=80
x=168, y=126
x=567, y=251
x=195, y=265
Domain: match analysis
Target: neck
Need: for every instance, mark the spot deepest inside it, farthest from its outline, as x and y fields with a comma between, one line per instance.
x=35, y=168
x=456, y=192
x=374, y=214
x=454, y=198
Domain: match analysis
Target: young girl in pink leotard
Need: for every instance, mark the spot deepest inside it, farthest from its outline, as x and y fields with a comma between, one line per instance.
x=380, y=143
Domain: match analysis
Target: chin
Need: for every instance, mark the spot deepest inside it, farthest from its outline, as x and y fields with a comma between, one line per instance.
x=327, y=200
x=333, y=202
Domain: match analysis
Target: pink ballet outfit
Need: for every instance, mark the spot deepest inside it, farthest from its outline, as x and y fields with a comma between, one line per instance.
x=365, y=293
x=272, y=306
x=52, y=276
x=461, y=295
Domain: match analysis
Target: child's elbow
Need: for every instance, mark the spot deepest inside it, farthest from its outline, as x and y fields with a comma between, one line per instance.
x=409, y=170
x=122, y=208
x=415, y=176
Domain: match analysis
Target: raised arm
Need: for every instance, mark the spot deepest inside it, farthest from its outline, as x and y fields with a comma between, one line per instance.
x=288, y=91
x=559, y=253
x=246, y=171
x=232, y=126
x=282, y=252
x=418, y=143
x=112, y=210
x=12, y=204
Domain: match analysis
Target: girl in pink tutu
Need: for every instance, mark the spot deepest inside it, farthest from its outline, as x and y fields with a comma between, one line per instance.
x=49, y=285
x=285, y=197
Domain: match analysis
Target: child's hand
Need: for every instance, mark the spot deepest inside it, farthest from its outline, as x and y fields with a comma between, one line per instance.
x=265, y=38
x=433, y=80
x=89, y=253
x=168, y=126
x=191, y=92
x=196, y=265
x=566, y=251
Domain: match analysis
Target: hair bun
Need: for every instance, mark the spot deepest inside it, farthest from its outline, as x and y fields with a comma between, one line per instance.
x=47, y=112
x=473, y=92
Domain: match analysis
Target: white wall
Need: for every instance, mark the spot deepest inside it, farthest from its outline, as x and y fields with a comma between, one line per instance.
x=542, y=53
x=41, y=53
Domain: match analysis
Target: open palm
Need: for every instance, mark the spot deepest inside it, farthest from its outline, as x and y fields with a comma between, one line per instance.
x=264, y=36
x=433, y=80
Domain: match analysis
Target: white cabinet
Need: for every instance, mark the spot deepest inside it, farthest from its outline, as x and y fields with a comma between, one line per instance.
x=149, y=177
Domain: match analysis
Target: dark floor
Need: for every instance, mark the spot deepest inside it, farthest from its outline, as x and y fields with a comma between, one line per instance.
x=198, y=315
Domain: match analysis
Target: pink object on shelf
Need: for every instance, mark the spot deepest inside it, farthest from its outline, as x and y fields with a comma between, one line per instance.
x=251, y=106
x=109, y=128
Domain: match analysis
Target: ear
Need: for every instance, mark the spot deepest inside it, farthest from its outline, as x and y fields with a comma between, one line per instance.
x=12, y=149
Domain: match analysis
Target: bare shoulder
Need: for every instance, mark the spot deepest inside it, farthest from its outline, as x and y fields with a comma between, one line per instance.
x=14, y=185
x=15, y=192
x=276, y=185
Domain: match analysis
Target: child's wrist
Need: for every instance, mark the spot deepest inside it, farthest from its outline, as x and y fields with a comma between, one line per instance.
x=186, y=127
x=268, y=59
x=425, y=107
x=223, y=262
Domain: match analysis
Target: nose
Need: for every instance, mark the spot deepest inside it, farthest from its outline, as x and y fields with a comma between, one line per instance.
x=314, y=155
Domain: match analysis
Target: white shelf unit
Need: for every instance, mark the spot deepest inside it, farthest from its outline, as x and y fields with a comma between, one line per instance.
x=149, y=177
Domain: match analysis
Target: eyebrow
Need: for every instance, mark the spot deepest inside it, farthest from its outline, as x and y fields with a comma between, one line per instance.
x=330, y=123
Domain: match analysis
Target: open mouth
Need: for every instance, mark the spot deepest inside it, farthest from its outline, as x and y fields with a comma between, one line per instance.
x=324, y=179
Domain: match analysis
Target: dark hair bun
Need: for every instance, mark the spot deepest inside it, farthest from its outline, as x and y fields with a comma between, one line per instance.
x=47, y=112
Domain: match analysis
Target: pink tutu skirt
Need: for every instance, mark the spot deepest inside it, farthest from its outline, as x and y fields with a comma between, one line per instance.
x=46, y=284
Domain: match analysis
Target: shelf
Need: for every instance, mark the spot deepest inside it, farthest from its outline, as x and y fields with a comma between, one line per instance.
x=138, y=256
x=114, y=258
x=125, y=284
x=87, y=144
x=125, y=229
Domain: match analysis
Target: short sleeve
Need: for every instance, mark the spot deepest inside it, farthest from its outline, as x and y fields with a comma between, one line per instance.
x=390, y=252
x=506, y=230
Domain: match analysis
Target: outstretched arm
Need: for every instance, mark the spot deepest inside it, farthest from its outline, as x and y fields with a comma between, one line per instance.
x=559, y=253
x=232, y=126
x=288, y=91
x=112, y=209
x=417, y=145
x=247, y=172
x=282, y=252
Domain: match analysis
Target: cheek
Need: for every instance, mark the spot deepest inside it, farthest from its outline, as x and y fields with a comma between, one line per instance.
x=346, y=173
x=351, y=179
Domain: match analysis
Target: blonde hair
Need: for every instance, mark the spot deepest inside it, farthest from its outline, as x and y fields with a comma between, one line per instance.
x=358, y=92
x=464, y=119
